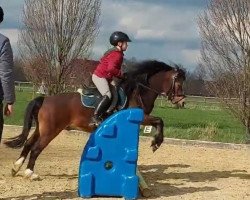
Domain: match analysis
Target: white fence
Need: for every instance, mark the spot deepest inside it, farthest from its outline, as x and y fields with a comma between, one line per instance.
x=162, y=101
x=24, y=86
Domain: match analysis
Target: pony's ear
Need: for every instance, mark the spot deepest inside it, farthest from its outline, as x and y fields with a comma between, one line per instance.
x=177, y=67
x=182, y=73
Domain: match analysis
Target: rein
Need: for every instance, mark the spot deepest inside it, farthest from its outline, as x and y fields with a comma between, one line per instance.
x=149, y=88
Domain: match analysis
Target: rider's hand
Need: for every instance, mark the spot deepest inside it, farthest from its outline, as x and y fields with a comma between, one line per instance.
x=116, y=81
x=8, y=110
x=124, y=76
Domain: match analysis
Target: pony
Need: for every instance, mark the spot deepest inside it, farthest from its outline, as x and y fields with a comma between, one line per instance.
x=144, y=82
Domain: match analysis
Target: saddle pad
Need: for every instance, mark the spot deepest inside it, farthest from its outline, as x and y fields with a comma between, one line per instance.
x=91, y=101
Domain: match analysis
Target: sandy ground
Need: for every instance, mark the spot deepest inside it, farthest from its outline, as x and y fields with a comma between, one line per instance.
x=173, y=172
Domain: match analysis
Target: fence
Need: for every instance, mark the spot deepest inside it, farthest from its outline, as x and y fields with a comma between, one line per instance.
x=161, y=101
x=24, y=86
x=205, y=101
x=31, y=87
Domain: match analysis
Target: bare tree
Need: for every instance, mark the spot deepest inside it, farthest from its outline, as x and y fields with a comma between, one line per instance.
x=18, y=70
x=225, y=34
x=55, y=33
x=195, y=84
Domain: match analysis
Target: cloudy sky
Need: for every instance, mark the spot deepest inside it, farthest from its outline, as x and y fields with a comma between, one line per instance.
x=165, y=30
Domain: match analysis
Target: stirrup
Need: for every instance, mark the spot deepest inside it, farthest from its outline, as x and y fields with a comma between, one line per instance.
x=95, y=121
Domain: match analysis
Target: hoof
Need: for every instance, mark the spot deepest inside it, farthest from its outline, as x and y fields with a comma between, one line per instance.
x=154, y=148
x=156, y=143
x=35, y=177
x=13, y=172
x=17, y=166
x=29, y=174
x=94, y=124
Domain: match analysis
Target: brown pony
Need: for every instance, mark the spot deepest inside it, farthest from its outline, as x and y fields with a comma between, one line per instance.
x=145, y=81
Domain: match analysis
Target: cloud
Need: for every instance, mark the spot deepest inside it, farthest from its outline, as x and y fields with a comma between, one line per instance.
x=137, y=16
x=165, y=30
x=177, y=3
x=150, y=34
x=190, y=56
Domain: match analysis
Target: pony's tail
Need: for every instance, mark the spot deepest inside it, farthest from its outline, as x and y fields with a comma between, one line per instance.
x=30, y=115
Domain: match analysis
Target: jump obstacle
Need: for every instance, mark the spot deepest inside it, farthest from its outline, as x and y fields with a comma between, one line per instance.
x=108, y=165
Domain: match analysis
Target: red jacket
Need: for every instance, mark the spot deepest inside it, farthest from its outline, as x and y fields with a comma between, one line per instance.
x=110, y=64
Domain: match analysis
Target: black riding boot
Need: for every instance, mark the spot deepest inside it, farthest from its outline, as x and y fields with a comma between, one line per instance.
x=113, y=104
x=100, y=109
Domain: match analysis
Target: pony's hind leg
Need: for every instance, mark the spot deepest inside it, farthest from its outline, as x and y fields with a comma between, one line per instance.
x=46, y=136
x=36, y=149
x=26, y=149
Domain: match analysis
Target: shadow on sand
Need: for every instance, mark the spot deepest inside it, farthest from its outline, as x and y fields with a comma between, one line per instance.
x=161, y=188
x=157, y=178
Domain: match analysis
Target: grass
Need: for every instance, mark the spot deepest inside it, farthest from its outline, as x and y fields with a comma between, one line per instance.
x=22, y=99
x=198, y=121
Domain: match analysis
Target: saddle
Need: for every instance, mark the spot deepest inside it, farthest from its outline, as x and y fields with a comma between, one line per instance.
x=90, y=97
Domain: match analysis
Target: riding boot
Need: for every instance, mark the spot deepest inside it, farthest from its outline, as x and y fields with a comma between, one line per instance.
x=100, y=109
x=114, y=100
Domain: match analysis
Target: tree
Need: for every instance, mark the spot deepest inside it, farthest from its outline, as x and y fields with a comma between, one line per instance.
x=18, y=70
x=194, y=83
x=225, y=35
x=55, y=33
x=127, y=63
x=82, y=73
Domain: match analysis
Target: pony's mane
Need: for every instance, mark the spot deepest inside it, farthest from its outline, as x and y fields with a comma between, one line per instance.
x=141, y=72
x=148, y=67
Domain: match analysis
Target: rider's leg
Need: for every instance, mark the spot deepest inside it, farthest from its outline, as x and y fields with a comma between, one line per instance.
x=114, y=96
x=116, y=82
x=100, y=109
x=103, y=87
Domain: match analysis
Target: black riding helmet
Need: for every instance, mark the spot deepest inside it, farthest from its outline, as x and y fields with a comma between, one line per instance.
x=118, y=36
x=1, y=14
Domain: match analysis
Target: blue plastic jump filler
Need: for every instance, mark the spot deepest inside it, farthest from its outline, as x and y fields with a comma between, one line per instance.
x=109, y=160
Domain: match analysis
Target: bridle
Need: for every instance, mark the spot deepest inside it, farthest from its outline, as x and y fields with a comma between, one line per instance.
x=171, y=94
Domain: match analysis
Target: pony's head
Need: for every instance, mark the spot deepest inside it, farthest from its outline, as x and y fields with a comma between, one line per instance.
x=158, y=77
x=175, y=92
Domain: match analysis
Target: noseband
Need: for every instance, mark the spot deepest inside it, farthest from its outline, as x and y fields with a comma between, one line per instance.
x=171, y=93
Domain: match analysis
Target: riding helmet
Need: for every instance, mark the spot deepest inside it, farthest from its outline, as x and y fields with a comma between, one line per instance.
x=118, y=36
x=1, y=14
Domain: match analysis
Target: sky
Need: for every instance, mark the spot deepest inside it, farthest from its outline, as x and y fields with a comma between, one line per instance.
x=165, y=30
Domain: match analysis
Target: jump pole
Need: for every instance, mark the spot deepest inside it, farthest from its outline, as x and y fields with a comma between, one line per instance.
x=144, y=189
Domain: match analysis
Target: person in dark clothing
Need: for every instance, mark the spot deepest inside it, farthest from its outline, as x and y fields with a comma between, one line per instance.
x=7, y=86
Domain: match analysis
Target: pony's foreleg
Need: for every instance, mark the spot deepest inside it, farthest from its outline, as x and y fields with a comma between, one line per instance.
x=26, y=149
x=156, y=122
